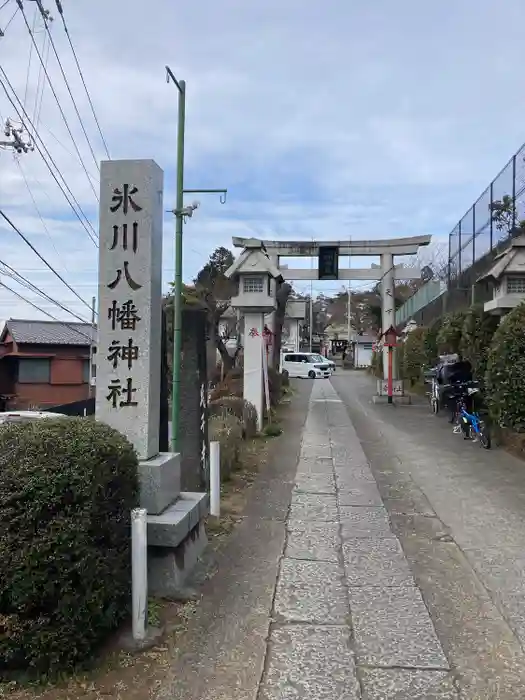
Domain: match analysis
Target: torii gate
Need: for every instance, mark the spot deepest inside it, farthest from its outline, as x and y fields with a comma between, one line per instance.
x=386, y=273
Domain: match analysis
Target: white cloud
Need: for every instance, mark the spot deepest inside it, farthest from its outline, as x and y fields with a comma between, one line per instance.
x=334, y=121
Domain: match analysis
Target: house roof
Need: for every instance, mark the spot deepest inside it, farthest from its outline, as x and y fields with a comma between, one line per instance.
x=49, y=332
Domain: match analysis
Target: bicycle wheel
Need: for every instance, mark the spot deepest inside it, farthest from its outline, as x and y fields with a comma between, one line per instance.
x=484, y=437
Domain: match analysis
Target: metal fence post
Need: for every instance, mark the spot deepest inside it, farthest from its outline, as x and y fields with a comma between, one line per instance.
x=449, y=258
x=139, y=573
x=473, y=234
x=491, y=213
x=459, y=250
x=513, y=192
x=215, y=479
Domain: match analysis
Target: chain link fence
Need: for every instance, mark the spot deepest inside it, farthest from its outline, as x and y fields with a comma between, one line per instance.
x=492, y=219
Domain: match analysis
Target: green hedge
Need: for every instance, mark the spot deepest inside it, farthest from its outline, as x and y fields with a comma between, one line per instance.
x=476, y=338
x=66, y=491
x=505, y=376
x=449, y=335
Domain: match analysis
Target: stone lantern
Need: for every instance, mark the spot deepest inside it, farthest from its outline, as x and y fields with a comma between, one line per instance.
x=507, y=279
x=253, y=271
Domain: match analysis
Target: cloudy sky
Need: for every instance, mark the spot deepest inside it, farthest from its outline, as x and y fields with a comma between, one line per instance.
x=335, y=120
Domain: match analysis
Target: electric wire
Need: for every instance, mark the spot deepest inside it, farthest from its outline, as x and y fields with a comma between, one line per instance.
x=44, y=147
x=4, y=4
x=40, y=87
x=50, y=83
x=2, y=32
x=24, y=282
x=44, y=225
x=61, y=13
x=28, y=74
x=51, y=41
x=41, y=257
x=46, y=313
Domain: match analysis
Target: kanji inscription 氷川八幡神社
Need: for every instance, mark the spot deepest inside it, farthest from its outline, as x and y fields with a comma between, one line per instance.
x=129, y=320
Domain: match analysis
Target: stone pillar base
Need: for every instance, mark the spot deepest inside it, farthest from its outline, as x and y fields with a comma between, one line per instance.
x=159, y=479
x=169, y=567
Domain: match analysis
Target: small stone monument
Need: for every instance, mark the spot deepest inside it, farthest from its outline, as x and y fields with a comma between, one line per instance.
x=129, y=361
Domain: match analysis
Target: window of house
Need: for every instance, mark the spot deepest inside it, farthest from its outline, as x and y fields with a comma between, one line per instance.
x=253, y=285
x=34, y=371
x=516, y=284
x=85, y=371
x=367, y=346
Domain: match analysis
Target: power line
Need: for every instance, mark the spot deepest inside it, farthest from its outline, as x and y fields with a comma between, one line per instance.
x=46, y=313
x=41, y=257
x=20, y=5
x=46, y=25
x=24, y=282
x=44, y=225
x=92, y=236
x=61, y=12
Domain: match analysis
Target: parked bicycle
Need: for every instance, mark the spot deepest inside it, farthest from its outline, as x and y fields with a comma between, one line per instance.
x=466, y=418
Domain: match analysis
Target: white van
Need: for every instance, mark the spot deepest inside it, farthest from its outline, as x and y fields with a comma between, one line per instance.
x=304, y=364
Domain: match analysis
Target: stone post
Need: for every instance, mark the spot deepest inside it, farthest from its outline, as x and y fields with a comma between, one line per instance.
x=253, y=369
x=129, y=320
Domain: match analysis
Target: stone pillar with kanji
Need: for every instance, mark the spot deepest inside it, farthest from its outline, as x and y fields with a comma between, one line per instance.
x=253, y=367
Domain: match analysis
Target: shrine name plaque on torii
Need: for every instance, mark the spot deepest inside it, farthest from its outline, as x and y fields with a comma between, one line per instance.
x=328, y=252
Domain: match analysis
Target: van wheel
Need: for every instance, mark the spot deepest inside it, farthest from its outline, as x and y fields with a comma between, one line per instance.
x=311, y=374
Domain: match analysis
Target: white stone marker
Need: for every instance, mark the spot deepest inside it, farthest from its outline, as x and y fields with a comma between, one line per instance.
x=129, y=301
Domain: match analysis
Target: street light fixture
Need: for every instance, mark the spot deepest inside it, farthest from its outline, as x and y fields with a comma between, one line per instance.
x=181, y=214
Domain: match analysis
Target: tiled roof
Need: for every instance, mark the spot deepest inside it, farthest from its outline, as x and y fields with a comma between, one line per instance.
x=51, y=332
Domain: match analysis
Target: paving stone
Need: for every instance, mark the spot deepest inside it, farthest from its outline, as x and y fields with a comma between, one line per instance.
x=380, y=684
x=315, y=483
x=323, y=465
x=312, y=453
x=392, y=627
x=362, y=493
x=361, y=521
x=311, y=591
x=376, y=562
x=310, y=663
x=313, y=507
x=315, y=542
x=349, y=476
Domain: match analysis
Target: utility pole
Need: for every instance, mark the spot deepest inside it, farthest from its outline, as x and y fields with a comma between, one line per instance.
x=91, y=347
x=181, y=213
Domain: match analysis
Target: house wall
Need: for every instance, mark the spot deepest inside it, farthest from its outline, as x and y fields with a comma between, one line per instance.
x=363, y=355
x=66, y=384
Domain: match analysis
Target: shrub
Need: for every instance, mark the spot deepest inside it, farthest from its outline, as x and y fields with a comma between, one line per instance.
x=414, y=355
x=226, y=429
x=376, y=365
x=244, y=410
x=275, y=385
x=478, y=331
x=66, y=492
x=228, y=387
x=449, y=335
x=505, y=388
x=272, y=430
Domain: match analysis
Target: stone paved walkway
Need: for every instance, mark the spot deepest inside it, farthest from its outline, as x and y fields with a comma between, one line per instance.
x=348, y=620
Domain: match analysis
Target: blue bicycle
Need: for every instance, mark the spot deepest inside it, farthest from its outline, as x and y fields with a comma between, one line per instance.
x=468, y=421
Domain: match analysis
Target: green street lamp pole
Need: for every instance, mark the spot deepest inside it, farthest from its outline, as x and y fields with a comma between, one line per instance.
x=180, y=213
